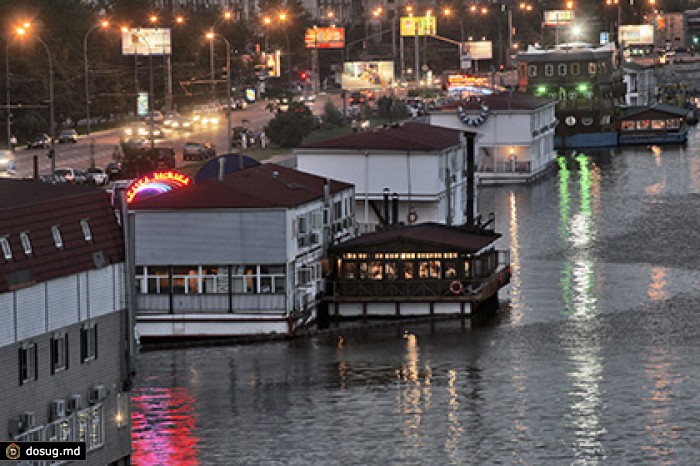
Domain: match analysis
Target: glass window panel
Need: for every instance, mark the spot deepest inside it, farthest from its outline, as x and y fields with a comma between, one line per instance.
x=363, y=270
x=349, y=269
x=265, y=284
x=376, y=270
x=450, y=269
x=408, y=270
x=658, y=124
x=390, y=270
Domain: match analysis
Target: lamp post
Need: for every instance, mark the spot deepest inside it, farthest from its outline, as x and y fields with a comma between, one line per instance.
x=52, y=123
x=8, y=105
x=226, y=16
x=141, y=39
x=103, y=24
x=283, y=19
x=211, y=37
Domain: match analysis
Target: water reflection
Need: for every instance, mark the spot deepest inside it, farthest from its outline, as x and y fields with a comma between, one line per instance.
x=414, y=394
x=163, y=424
x=454, y=427
x=515, y=279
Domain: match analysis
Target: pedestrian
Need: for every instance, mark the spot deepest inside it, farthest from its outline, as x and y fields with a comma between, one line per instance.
x=354, y=126
x=13, y=142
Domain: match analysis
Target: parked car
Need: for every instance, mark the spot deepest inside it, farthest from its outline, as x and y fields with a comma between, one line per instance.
x=68, y=135
x=39, y=141
x=198, y=151
x=113, y=170
x=71, y=175
x=96, y=176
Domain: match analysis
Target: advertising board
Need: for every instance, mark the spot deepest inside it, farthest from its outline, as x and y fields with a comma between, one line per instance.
x=325, y=38
x=424, y=25
x=146, y=41
x=367, y=75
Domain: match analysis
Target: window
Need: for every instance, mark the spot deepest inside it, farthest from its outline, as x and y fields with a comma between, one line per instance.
x=153, y=280
x=349, y=269
x=673, y=123
x=376, y=270
x=5, y=245
x=643, y=124
x=304, y=276
x=303, y=225
x=215, y=279
x=26, y=243
x=86, y=229
x=27, y=363
x=186, y=279
x=59, y=352
x=532, y=71
x=88, y=343
x=549, y=69
x=562, y=69
x=575, y=69
x=628, y=125
x=658, y=124
x=591, y=69
x=57, y=238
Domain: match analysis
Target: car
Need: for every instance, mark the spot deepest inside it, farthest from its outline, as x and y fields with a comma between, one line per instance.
x=181, y=123
x=157, y=117
x=143, y=131
x=205, y=120
x=68, y=135
x=8, y=163
x=96, y=176
x=70, y=175
x=198, y=151
x=39, y=141
x=162, y=157
x=113, y=170
x=357, y=98
x=136, y=143
x=311, y=98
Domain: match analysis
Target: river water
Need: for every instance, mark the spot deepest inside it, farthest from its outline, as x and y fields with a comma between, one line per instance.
x=592, y=358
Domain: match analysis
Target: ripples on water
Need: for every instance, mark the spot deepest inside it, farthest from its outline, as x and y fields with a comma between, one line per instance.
x=592, y=361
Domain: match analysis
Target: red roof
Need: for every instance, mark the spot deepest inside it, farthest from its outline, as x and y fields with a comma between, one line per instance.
x=500, y=102
x=433, y=235
x=265, y=186
x=34, y=207
x=402, y=137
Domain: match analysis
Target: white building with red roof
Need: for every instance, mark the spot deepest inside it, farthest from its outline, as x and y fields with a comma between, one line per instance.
x=516, y=134
x=425, y=167
x=66, y=348
x=240, y=256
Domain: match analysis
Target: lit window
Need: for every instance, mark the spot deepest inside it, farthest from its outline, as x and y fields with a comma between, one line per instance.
x=5, y=245
x=26, y=244
x=575, y=69
x=562, y=69
x=27, y=363
x=591, y=69
x=532, y=71
x=549, y=70
x=86, y=229
x=57, y=238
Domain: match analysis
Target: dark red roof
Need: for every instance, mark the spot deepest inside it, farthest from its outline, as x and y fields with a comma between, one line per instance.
x=265, y=186
x=402, y=137
x=500, y=102
x=34, y=207
x=434, y=236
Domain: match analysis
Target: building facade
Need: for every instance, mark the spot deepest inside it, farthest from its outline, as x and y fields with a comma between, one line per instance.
x=65, y=343
x=423, y=166
x=516, y=134
x=241, y=256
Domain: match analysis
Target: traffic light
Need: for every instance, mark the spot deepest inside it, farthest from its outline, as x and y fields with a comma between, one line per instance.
x=304, y=76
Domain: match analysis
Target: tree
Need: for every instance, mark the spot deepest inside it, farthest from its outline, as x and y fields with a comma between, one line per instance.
x=288, y=129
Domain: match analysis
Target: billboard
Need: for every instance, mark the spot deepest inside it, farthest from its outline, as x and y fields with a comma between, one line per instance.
x=325, y=38
x=424, y=25
x=557, y=18
x=142, y=104
x=477, y=50
x=269, y=65
x=367, y=74
x=140, y=41
x=637, y=34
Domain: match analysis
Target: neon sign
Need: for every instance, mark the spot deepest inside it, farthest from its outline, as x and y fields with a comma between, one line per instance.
x=157, y=183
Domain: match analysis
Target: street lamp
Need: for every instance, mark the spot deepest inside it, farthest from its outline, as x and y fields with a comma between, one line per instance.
x=211, y=36
x=283, y=19
x=104, y=25
x=138, y=38
x=226, y=16
x=266, y=22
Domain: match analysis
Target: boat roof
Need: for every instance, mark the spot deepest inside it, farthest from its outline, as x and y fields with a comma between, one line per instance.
x=664, y=108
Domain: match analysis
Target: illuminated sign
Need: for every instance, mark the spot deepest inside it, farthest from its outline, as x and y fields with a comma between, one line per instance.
x=325, y=38
x=270, y=64
x=154, y=41
x=477, y=50
x=156, y=183
x=637, y=34
x=418, y=25
x=557, y=18
x=142, y=104
x=367, y=74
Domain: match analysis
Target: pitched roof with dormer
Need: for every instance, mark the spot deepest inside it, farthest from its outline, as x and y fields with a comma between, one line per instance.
x=406, y=136
x=33, y=208
x=264, y=186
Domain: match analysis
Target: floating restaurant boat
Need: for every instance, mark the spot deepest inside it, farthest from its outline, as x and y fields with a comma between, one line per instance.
x=588, y=87
x=427, y=269
x=656, y=124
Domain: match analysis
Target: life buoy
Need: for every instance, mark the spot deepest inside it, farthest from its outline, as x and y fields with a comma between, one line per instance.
x=412, y=216
x=456, y=287
x=474, y=121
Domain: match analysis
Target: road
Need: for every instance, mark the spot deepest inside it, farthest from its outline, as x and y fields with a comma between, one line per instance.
x=101, y=145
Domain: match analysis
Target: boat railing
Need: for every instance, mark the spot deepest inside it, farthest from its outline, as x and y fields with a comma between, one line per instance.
x=513, y=166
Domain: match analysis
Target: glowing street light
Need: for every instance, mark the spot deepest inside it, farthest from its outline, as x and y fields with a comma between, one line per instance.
x=103, y=25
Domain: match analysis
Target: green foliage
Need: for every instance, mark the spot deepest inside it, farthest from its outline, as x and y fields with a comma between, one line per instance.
x=135, y=161
x=288, y=129
x=391, y=109
x=332, y=117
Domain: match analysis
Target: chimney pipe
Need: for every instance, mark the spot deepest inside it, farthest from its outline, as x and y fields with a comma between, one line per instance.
x=386, y=221
x=395, y=209
x=222, y=165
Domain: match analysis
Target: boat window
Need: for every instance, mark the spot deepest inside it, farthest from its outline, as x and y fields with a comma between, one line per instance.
x=643, y=124
x=562, y=69
x=467, y=268
x=450, y=269
x=628, y=125
x=376, y=270
x=549, y=69
x=673, y=123
x=658, y=124
x=349, y=269
x=390, y=270
x=575, y=69
x=532, y=71
x=591, y=69
x=408, y=270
